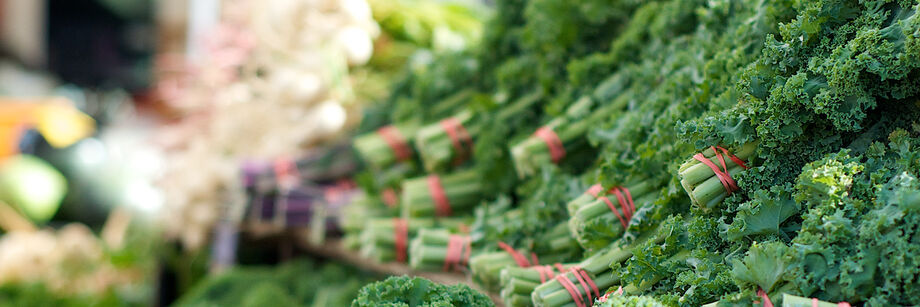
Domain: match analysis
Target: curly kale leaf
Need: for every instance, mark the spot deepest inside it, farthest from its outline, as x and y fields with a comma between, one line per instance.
x=404, y=291
x=764, y=265
x=762, y=216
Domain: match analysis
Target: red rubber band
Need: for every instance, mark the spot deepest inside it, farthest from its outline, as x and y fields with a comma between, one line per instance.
x=843, y=304
x=615, y=211
x=732, y=157
x=573, y=291
x=518, y=257
x=442, y=205
x=458, y=252
x=814, y=302
x=390, y=198
x=585, y=281
x=458, y=136
x=590, y=282
x=559, y=267
x=626, y=202
x=556, y=150
x=401, y=236
x=595, y=190
x=723, y=175
x=766, y=299
x=619, y=291
x=546, y=272
x=397, y=143
x=533, y=259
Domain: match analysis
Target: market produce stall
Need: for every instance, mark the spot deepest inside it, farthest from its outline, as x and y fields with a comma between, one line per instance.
x=547, y=153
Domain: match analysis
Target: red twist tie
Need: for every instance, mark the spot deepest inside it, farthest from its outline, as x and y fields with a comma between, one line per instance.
x=442, y=205
x=533, y=259
x=397, y=143
x=518, y=257
x=400, y=235
x=458, y=136
x=556, y=150
x=458, y=251
x=723, y=175
x=595, y=190
x=765, y=297
x=615, y=211
x=573, y=291
x=626, y=202
x=390, y=198
x=586, y=281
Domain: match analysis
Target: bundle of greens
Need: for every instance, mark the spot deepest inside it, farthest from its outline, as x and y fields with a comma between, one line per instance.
x=583, y=282
x=517, y=283
x=355, y=215
x=417, y=291
x=707, y=177
x=387, y=239
x=439, y=249
x=831, y=76
x=441, y=196
x=449, y=142
x=388, y=149
x=599, y=217
x=487, y=267
x=859, y=229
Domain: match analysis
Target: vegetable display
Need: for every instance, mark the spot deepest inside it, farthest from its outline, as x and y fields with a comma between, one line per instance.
x=679, y=153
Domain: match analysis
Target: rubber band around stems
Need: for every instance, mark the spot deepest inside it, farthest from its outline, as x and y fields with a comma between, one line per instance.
x=517, y=256
x=724, y=177
x=458, y=136
x=624, y=198
x=396, y=141
x=441, y=203
x=400, y=238
x=458, y=252
x=553, y=143
x=389, y=197
x=573, y=291
x=586, y=281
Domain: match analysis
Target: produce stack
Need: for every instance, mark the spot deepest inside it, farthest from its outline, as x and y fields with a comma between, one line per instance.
x=691, y=152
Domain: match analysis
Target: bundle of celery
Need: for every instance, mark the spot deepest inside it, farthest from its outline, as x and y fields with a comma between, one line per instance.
x=442, y=196
x=439, y=249
x=449, y=142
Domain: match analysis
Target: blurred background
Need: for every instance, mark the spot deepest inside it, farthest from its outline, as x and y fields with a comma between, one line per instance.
x=140, y=138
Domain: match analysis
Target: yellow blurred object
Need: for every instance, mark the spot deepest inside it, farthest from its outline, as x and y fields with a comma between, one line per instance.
x=59, y=122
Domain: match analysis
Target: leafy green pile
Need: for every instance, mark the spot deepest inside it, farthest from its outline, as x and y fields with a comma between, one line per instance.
x=740, y=147
x=298, y=283
x=404, y=291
